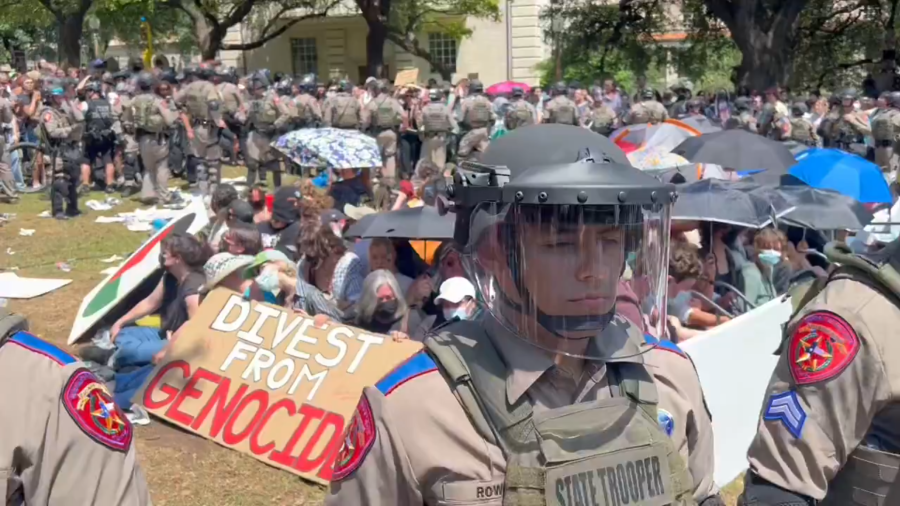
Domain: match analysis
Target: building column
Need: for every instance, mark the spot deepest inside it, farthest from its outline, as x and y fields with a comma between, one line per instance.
x=528, y=48
x=336, y=52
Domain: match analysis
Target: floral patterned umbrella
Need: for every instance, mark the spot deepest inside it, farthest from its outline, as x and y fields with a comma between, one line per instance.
x=331, y=148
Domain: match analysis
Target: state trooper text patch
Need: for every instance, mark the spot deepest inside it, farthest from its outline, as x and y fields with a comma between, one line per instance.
x=90, y=404
x=785, y=408
x=822, y=346
x=357, y=442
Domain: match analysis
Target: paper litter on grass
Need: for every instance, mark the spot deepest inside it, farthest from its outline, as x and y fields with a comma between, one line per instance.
x=114, y=258
x=26, y=232
x=14, y=287
x=110, y=270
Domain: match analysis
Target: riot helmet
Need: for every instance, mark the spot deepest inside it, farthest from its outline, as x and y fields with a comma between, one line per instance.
x=168, y=75
x=894, y=99
x=145, y=81
x=518, y=92
x=435, y=95
x=799, y=109
x=344, y=86
x=284, y=87
x=475, y=86
x=694, y=105
x=555, y=226
x=848, y=96
x=93, y=86
x=559, y=88
x=648, y=94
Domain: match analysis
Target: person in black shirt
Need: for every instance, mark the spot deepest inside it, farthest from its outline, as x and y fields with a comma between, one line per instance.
x=281, y=231
x=176, y=299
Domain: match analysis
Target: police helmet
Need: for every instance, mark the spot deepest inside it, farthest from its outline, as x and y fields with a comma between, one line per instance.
x=382, y=86
x=742, y=103
x=648, y=94
x=475, y=86
x=565, y=203
x=344, y=86
x=799, y=109
x=284, y=87
x=849, y=94
x=518, y=92
x=93, y=87
x=168, y=75
x=694, y=104
x=559, y=88
x=435, y=94
x=894, y=99
x=145, y=81
x=122, y=74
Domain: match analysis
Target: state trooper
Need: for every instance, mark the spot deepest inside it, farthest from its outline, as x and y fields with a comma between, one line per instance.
x=829, y=432
x=153, y=118
x=553, y=397
x=744, y=119
x=102, y=128
x=435, y=122
x=883, y=134
x=7, y=182
x=382, y=118
x=802, y=130
x=851, y=127
x=561, y=109
x=342, y=110
x=267, y=115
x=232, y=115
x=603, y=119
x=477, y=117
x=201, y=102
x=58, y=134
x=66, y=441
x=648, y=110
x=284, y=90
x=308, y=108
x=130, y=150
x=519, y=112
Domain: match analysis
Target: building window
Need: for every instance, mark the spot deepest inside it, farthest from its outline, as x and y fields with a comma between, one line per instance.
x=443, y=49
x=304, y=56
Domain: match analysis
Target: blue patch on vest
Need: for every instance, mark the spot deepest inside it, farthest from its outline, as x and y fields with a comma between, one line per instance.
x=42, y=347
x=663, y=343
x=785, y=408
x=666, y=421
x=417, y=365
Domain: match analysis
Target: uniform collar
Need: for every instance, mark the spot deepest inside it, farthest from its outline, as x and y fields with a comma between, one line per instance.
x=621, y=341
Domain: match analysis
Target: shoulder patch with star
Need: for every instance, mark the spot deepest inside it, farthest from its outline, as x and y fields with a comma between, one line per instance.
x=91, y=406
x=358, y=441
x=822, y=345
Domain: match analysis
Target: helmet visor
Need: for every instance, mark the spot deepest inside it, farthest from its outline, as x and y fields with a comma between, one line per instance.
x=566, y=277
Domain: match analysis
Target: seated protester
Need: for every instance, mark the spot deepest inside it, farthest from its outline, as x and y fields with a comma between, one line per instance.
x=382, y=309
x=757, y=276
x=382, y=255
x=241, y=239
x=335, y=220
x=257, y=200
x=329, y=278
x=227, y=271
x=275, y=274
x=350, y=186
x=685, y=268
x=222, y=197
x=176, y=298
x=447, y=264
x=457, y=300
x=723, y=242
x=281, y=231
x=361, y=246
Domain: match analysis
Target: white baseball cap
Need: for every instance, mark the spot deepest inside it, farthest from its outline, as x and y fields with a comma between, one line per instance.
x=455, y=290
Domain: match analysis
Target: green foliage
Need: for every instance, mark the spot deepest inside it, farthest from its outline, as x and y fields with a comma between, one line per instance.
x=412, y=17
x=708, y=62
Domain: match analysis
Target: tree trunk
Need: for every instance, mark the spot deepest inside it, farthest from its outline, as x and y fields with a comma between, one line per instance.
x=765, y=63
x=210, y=41
x=375, y=50
x=70, y=29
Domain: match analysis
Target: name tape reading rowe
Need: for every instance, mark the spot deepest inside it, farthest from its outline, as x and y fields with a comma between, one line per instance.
x=266, y=382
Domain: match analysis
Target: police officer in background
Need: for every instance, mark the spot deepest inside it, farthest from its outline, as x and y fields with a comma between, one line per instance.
x=266, y=116
x=201, y=102
x=851, y=127
x=829, y=433
x=603, y=118
x=648, y=110
x=478, y=116
x=58, y=131
x=560, y=109
x=127, y=143
x=744, y=119
x=7, y=182
x=435, y=122
x=284, y=90
x=382, y=118
x=552, y=397
x=883, y=134
x=519, y=113
x=153, y=118
x=53, y=450
x=802, y=130
x=308, y=108
x=101, y=131
x=232, y=115
x=343, y=109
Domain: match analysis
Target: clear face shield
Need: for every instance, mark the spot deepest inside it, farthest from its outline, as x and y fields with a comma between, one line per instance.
x=566, y=277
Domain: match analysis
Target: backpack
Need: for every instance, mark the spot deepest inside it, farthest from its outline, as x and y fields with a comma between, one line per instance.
x=345, y=112
x=518, y=115
x=883, y=127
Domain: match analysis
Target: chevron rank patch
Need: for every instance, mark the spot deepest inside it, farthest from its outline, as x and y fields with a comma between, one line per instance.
x=785, y=408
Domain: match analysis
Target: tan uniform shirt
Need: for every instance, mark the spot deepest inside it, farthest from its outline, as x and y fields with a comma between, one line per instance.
x=306, y=102
x=469, y=102
x=48, y=456
x=444, y=111
x=372, y=108
x=56, y=123
x=812, y=422
x=206, y=91
x=232, y=101
x=427, y=451
x=6, y=119
x=341, y=101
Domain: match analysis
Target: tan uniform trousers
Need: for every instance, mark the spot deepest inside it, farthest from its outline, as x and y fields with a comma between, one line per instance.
x=387, y=144
x=154, y=151
x=434, y=148
x=205, y=147
x=476, y=139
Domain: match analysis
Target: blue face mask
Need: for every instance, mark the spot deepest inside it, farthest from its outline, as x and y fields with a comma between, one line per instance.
x=770, y=257
x=267, y=281
x=458, y=313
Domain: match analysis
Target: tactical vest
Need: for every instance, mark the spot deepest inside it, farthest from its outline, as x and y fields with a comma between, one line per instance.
x=883, y=127
x=478, y=114
x=800, y=131
x=99, y=119
x=197, y=101
x=385, y=116
x=305, y=110
x=263, y=113
x=435, y=119
x=614, y=447
x=147, y=117
x=602, y=121
x=229, y=100
x=518, y=115
x=869, y=475
x=563, y=112
x=344, y=112
x=639, y=114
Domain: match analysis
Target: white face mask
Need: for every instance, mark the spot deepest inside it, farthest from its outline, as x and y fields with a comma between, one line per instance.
x=770, y=256
x=267, y=281
x=459, y=312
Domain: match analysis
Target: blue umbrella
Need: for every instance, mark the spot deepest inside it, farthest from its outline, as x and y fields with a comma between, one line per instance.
x=331, y=148
x=845, y=173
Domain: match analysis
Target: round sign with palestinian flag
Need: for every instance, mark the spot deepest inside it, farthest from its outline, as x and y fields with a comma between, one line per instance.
x=143, y=263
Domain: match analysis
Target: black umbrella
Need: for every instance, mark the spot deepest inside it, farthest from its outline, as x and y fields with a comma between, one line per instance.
x=726, y=202
x=738, y=150
x=410, y=223
x=817, y=208
x=516, y=149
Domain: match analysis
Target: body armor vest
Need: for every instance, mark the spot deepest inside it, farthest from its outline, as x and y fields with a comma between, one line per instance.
x=304, y=110
x=229, y=98
x=801, y=131
x=615, y=444
x=99, y=119
x=602, y=120
x=196, y=101
x=883, y=126
x=518, y=115
x=385, y=116
x=147, y=117
x=344, y=112
x=563, y=112
x=263, y=113
x=435, y=119
x=478, y=114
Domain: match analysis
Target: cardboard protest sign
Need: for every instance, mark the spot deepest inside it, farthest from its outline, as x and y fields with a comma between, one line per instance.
x=405, y=77
x=266, y=382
